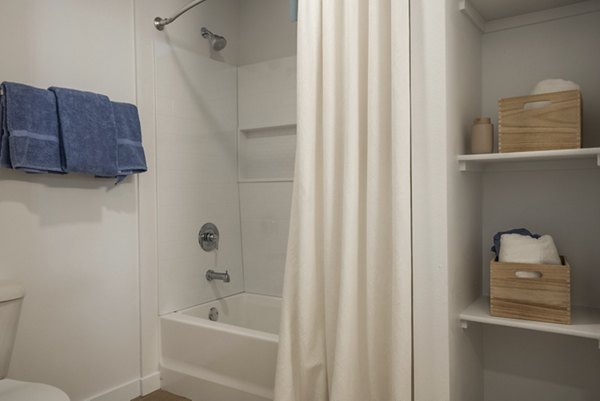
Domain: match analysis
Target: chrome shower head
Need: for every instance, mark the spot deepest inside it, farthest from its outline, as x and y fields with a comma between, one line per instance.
x=217, y=42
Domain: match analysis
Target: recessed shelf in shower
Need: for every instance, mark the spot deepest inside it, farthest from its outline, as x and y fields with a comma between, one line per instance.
x=267, y=153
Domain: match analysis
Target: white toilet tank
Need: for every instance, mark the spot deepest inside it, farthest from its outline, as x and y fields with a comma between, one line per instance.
x=11, y=296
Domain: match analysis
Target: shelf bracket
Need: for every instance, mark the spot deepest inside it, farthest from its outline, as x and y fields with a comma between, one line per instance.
x=472, y=166
x=598, y=159
x=465, y=325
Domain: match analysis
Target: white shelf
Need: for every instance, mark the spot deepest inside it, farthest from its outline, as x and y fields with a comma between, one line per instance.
x=478, y=162
x=263, y=180
x=516, y=13
x=585, y=322
x=269, y=130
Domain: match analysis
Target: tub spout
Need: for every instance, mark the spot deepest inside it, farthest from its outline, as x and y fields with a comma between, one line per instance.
x=213, y=275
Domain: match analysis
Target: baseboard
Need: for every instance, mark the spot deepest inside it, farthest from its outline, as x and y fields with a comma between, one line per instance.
x=124, y=392
x=130, y=390
x=150, y=383
x=196, y=388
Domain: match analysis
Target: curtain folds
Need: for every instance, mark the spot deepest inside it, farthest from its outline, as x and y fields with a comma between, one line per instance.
x=346, y=321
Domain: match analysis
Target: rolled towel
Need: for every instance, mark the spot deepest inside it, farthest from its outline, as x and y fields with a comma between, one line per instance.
x=30, y=135
x=518, y=248
x=130, y=153
x=88, y=131
x=554, y=85
x=522, y=231
x=549, y=86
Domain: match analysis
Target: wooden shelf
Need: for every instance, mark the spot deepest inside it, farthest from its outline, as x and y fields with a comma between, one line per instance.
x=478, y=162
x=585, y=321
x=516, y=13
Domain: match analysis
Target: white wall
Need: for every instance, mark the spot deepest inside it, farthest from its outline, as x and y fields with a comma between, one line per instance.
x=196, y=129
x=563, y=203
x=265, y=209
x=429, y=191
x=267, y=93
x=72, y=240
x=267, y=31
x=519, y=364
x=189, y=102
x=515, y=60
x=267, y=143
x=181, y=43
x=527, y=365
x=463, y=72
x=446, y=73
x=266, y=151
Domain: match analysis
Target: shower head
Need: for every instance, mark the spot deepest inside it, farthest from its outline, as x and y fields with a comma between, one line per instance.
x=217, y=42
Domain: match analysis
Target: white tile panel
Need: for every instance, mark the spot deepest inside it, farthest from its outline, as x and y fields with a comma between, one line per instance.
x=265, y=224
x=267, y=93
x=196, y=120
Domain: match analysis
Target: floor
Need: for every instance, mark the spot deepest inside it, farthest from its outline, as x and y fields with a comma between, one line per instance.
x=161, y=395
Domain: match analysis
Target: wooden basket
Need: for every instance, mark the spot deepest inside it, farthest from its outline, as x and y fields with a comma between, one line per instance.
x=531, y=291
x=557, y=125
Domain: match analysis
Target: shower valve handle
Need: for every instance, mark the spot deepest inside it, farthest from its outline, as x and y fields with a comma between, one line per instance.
x=208, y=237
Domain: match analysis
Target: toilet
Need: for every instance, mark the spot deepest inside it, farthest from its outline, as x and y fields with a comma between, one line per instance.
x=11, y=296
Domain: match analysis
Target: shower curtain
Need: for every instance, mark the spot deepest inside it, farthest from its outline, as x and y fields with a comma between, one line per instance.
x=346, y=321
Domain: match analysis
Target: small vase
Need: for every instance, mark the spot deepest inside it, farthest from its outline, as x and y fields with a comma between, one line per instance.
x=482, y=136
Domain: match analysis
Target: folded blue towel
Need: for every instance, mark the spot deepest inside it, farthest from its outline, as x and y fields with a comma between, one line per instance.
x=88, y=132
x=130, y=153
x=294, y=10
x=30, y=135
x=4, y=150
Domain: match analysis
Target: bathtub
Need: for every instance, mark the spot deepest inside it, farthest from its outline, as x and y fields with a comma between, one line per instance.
x=231, y=359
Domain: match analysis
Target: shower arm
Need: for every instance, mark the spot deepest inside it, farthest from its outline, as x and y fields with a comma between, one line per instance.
x=160, y=23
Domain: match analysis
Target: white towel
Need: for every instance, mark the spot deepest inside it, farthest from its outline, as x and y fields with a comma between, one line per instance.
x=516, y=248
x=554, y=85
x=549, y=86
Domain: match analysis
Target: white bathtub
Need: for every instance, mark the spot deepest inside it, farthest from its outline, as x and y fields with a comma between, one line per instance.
x=232, y=359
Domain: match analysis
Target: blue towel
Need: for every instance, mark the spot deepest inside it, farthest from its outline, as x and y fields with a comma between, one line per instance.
x=498, y=236
x=30, y=136
x=294, y=10
x=4, y=151
x=130, y=153
x=88, y=132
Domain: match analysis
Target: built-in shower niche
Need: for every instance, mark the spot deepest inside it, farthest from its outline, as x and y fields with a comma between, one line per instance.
x=267, y=154
x=267, y=120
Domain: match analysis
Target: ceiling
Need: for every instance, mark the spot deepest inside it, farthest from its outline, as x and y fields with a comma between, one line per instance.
x=496, y=9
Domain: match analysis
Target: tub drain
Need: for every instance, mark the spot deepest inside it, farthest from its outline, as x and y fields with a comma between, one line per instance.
x=213, y=314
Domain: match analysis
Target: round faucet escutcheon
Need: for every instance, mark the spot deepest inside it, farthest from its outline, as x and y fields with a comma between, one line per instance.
x=208, y=237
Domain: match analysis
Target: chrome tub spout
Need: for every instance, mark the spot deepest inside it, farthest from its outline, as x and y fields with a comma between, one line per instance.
x=213, y=275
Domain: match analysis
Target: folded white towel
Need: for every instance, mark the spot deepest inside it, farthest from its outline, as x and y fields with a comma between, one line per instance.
x=516, y=248
x=554, y=85
x=549, y=86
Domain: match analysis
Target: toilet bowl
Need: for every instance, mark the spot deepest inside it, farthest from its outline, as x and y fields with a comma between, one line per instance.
x=14, y=390
x=11, y=296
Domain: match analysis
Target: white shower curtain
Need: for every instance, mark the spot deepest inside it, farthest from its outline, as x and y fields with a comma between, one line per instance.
x=346, y=321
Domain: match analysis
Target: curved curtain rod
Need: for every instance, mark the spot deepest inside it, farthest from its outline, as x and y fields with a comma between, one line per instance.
x=160, y=23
